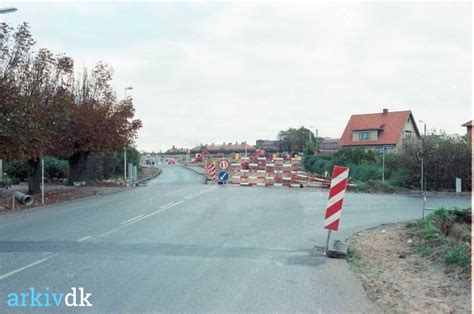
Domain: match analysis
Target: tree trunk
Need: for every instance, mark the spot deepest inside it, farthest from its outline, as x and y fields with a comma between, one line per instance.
x=78, y=167
x=34, y=176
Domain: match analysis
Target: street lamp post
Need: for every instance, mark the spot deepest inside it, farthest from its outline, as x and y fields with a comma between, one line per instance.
x=422, y=170
x=383, y=164
x=7, y=10
x=125, y=148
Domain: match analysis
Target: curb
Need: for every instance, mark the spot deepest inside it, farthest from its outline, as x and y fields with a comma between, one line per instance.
x=196, y=171
x=148, y=178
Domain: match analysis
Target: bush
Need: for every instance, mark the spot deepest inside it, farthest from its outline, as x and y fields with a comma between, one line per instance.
x=354, y=156
x=365, y=172
x=317, y=164
x=446, y=158
x=17, y=170
x=110, y=165
x=55, y=168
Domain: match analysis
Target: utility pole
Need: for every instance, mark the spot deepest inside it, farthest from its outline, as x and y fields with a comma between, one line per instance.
x=42, y=180
x=125, y=148
x=422, y=166
x=383, y=164
x=316, y=144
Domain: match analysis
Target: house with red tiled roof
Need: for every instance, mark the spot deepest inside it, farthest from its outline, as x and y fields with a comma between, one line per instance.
x=378, y=130
x=468, y=126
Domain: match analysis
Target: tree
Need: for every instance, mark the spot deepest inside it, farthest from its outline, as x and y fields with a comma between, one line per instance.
x=445, y=158
x=99, y=123
x=34, y=105
x=295, y=140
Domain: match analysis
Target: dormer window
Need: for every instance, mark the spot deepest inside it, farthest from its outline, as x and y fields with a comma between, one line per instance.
x=364, y=136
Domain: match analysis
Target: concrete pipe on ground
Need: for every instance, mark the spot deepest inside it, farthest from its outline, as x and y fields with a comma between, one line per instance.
x=23, y=198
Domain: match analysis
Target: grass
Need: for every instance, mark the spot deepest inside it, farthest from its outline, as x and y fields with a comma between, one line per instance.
x=351, y=254
x=354, y=259
x=457, y=255
x=440, y=239
x=411, y=225
x=426, y=250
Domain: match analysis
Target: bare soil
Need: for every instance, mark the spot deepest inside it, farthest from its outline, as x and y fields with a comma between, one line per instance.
x=399, y=280
x=56, y=193
x=53, y=194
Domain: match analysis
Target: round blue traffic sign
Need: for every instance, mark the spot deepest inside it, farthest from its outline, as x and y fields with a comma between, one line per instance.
x=223, y=176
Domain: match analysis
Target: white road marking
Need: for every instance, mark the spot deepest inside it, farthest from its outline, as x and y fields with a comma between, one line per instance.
x=84, y=239
x=124, y=222
x=163, y=208
x=190, y=196
x=110, y=231
x=16, y=271
x=166, y=206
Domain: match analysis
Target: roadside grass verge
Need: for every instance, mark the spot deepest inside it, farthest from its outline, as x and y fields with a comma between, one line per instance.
x=445, y=236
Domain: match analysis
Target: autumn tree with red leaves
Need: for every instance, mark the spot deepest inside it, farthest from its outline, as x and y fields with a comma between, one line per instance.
x=34, y=100
x=44, y=111
x=99, y=123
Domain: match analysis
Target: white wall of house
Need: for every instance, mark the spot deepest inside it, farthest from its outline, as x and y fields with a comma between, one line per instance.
x=410, y=127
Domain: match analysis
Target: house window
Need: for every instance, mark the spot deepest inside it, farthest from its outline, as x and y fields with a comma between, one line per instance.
x=364, y=136
x=407, y=134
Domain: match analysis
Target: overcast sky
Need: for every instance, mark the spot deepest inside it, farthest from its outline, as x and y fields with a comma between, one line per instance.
x=214, y=72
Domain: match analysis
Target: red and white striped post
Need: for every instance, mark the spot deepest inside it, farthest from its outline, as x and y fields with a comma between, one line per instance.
x=335, y=200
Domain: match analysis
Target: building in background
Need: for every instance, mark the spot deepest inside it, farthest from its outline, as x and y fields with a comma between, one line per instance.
x=328, y=146
x=379, y=130
x=268, y=145
x=326, y=143
x=176, y=150
x=224, y=148
x=468, y=126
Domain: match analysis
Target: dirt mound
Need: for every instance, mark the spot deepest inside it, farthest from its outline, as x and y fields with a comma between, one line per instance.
x=398, y=278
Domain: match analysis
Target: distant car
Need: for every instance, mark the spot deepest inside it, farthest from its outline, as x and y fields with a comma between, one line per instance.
x=171, y=161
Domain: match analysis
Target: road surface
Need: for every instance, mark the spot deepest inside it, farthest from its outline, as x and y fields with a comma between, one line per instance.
x=180, y=245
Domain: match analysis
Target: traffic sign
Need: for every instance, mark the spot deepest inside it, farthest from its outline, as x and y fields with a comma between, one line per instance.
x=223, y=176
x=224, y=164
x=336, y=197
x=340, y=176
x=210, y=169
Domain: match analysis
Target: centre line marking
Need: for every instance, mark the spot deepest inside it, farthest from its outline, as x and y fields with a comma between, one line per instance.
x=26, y=267
x=190, y=196
x=84, y=239
x=124, y=222
x=163, y=208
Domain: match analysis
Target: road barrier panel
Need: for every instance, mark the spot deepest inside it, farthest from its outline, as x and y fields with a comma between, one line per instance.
x=337, y=190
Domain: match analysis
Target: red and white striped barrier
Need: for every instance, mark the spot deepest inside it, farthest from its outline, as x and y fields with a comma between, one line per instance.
x=267, y=171
x=210, y=169
x=336, y=197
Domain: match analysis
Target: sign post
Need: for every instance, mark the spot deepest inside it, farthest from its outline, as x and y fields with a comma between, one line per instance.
x=335, y=200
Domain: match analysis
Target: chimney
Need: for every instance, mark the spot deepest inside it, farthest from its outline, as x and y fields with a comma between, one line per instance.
x=385, y=111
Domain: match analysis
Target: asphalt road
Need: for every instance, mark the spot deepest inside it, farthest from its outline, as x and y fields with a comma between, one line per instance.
x=180, y=245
